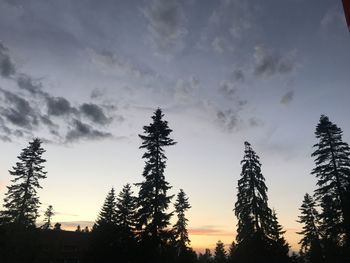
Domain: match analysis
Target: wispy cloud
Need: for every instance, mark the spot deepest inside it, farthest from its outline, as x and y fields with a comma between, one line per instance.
x=287, y=98
x=210, y=231
x=268, y=62
x=166, y=26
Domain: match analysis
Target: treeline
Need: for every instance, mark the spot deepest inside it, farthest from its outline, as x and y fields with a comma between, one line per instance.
x=137, y=228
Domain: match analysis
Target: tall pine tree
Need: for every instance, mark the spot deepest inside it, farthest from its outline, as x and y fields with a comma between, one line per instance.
x=332, y=169
x=21, y=201
x=153, y=199
x=251, y=208
x=258, y=227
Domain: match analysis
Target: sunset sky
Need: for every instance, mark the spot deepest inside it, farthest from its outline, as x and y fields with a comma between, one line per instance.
x=86, y=76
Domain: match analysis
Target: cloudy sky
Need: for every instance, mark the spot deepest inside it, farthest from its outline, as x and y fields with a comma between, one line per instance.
x=86, y=75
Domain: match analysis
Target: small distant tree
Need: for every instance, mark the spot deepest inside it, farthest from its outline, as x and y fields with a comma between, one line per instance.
x=220, y=253
x=231, y=252
x=49, y=213
x=126, y=205
x=105, y=243
x=78, y=229
x=108, y=214
x=126, y=223
x=57, y=227
x=206, y=257
x=22, y=202
x=180, y=228
x=279, y=243
x=310, y=242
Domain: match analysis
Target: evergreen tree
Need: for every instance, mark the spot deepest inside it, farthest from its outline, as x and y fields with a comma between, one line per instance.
x=206, y=257
x=153, y=199
x=78, y=229
x=310, y=242
x=279, y=244
x=231, y=252
x=180, y=228
x=126, y=212
x=258, y=228
x=332, y=169
x=251, y=208
x=105, y=245
x=57, y=227
x=107, y=216
x=220, y=253
x=21, y=202
x=48, y=217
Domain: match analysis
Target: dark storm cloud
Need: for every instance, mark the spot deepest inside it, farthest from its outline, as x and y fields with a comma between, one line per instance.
x=21, y=114
x=287, y=98
x=166, y=25
x=18, y=112
x=268, y=62
x=7, y=67
x=80, y=130
x=94, y=113
x=59, y=106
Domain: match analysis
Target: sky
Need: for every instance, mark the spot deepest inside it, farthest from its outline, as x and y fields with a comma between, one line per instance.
x=85, y=76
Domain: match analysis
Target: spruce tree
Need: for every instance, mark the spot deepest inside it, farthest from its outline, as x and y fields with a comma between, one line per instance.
x=310, y=242
x=231, y=252
x=105, y=244
x=279, y=244
x=220, y=253
x=126, y=205
x=251, y=208
x=21, y=201
x=153, y=199
x=180, y=228
x=258, y=227
x=108, y=215
x=49, y=213
x=332, y=169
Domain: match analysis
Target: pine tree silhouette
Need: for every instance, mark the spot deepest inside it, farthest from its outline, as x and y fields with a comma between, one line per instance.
x=332, y=169
x=126, y=205
x=153, y=199
x=180, y=228
x=258, y=227
x=310, y=242
x=49, y=213
x=251, y=208
x=220, y=253
x=108, y=214
x=22, y=202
